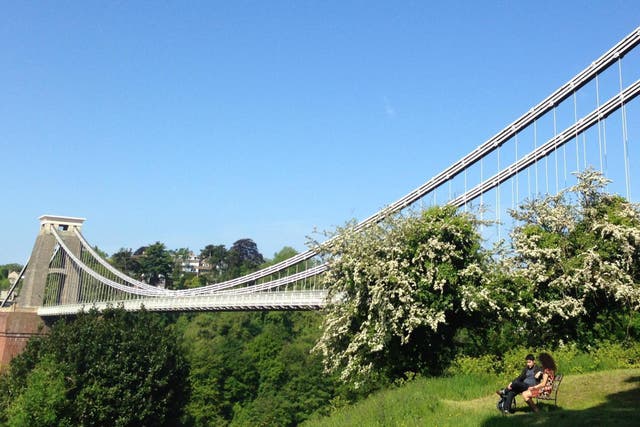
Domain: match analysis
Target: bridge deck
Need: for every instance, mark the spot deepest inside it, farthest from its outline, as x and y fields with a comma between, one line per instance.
x=284, y=300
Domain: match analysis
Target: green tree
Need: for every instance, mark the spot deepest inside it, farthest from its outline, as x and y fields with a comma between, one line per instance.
x=124, y=261
x=254, y=368
x=156, y=264
x=282, y=255
x=100, y=252
x=243, y=257
x=400, y=291
x=215, y=256
x=221, y=377
x=43, y=400
x=111, y=368
x=193, y=281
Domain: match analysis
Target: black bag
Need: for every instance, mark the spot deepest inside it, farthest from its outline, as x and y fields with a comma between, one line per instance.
x=502, y=404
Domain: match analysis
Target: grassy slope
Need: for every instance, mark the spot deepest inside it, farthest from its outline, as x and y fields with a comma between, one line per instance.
x=608, y=398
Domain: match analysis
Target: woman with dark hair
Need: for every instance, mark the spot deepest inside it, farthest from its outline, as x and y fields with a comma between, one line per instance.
x=544, y=387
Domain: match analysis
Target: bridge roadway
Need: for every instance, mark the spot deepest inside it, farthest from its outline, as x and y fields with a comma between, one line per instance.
x=274, y=300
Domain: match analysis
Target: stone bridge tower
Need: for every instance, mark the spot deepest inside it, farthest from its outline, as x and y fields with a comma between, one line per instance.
x=30, y=295
x=19, y=320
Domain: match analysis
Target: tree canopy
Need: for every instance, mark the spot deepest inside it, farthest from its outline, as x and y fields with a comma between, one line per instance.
x=577, y=263
x=253, y=368
x=241, y=258
x=400, y=291
x=124, y=261
x=111, y=368
x=156, y=264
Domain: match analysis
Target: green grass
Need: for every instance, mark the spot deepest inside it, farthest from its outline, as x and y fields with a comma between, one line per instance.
x=607, y=398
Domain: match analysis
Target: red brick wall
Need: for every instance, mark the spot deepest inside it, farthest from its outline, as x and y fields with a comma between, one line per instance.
x=15, y=330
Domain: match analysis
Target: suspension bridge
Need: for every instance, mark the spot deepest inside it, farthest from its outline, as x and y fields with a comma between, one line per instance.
x=590, y=121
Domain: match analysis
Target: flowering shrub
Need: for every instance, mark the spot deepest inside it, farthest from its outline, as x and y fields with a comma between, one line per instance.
x=399, y=292
x=578, y=256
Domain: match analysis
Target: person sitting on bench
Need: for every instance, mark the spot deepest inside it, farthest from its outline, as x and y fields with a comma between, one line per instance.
x=530, y=376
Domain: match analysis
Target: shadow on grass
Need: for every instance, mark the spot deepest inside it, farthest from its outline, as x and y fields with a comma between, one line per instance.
x=620, y=409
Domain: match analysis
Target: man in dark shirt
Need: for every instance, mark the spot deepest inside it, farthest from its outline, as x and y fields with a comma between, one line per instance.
x=530, y=376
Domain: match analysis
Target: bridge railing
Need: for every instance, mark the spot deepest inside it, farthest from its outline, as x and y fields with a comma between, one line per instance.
x=285, y=300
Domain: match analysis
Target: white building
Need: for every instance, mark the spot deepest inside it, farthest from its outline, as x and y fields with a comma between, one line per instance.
x=191, y=264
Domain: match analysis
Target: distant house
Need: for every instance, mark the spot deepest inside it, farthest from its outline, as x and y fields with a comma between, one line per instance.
x=191, y=264
x=204, y=267
x=194, y=264
x=13, y=277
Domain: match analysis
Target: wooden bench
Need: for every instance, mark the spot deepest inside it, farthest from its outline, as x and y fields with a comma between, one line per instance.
x=553, y=394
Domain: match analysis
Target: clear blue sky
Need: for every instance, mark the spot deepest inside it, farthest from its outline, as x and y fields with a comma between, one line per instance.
x=192, y=123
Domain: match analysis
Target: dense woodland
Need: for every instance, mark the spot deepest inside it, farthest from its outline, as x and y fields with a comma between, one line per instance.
x=412, y=296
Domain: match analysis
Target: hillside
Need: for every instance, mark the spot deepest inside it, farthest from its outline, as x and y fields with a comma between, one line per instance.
x=607, y=398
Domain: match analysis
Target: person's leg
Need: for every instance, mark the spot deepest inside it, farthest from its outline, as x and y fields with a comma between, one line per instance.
x=503, y=391
x=527, y=396
x=518, y=387
x=511, y=394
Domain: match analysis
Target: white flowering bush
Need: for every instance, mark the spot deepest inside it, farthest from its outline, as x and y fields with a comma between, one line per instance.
x=411, y=293
x=399, y=292
x=578, y=257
